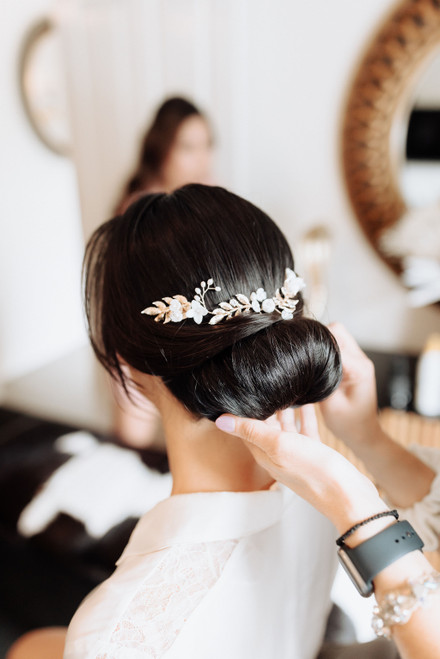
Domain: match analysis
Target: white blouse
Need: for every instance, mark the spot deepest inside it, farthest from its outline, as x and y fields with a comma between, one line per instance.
x=234, y=575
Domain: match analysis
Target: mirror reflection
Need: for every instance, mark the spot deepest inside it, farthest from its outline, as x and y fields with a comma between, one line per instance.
x=420, y=171
x=415, y=238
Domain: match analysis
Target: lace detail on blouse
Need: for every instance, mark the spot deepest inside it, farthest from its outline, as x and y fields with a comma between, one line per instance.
x=165, y=601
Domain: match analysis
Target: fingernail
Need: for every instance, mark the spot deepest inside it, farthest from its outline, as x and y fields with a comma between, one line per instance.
x=225, y=423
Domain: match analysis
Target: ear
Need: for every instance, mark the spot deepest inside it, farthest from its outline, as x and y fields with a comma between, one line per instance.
x=149, y=386
x=131, y=373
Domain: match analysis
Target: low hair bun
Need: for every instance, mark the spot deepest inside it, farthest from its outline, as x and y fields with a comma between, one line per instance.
x=188, y=346
x=287, y=363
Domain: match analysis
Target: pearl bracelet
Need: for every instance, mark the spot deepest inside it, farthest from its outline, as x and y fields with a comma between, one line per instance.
x=398, y=606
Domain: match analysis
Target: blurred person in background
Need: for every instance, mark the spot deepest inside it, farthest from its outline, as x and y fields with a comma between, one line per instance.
x=177, y=149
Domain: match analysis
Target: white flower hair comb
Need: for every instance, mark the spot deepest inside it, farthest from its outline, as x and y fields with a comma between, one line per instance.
x=177, y=308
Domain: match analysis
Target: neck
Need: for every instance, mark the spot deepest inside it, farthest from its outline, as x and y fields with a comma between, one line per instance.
x=204, y=459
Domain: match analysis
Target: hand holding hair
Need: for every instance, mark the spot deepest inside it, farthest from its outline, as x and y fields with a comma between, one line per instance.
x=351, y=414
x=338, y=490
x=313, y=470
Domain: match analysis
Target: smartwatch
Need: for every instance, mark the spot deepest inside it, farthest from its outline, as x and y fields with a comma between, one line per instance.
x=364, y=562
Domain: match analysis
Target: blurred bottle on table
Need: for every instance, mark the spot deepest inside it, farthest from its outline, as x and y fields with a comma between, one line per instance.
x=427, y=393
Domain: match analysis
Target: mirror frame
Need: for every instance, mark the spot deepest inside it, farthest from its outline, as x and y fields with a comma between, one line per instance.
x=42, y=29
x=376, y=109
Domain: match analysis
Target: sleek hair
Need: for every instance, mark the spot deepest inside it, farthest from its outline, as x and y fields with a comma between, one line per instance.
x=157, y=142
x=166, y=244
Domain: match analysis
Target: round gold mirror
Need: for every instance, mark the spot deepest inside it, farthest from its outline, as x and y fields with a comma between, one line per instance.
x=374, y=132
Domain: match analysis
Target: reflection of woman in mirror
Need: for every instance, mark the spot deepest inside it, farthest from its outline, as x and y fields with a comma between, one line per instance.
x=231, y=564
x=176, y=150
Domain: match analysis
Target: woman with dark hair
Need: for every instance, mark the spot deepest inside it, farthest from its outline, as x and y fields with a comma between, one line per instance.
x=176, y=150
x=191, y=297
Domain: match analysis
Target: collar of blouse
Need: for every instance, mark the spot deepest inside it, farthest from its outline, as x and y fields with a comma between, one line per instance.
x=207, y=517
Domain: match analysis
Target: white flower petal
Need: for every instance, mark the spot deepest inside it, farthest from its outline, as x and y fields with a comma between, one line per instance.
x=176, y=316
x=268, y=305
x=293, y=284
x=261, y=294
x=175, y=305
x=256, y=306
x=286, y=315
x=198, y=308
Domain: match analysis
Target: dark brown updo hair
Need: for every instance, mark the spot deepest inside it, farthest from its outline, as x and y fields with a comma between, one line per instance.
x=166, y=244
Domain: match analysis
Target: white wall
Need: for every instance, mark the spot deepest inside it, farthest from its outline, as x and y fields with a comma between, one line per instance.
x=40, y=235
x=273, y=75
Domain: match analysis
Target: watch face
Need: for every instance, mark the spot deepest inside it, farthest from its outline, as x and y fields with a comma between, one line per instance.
x=43, y=87
x=362, y=586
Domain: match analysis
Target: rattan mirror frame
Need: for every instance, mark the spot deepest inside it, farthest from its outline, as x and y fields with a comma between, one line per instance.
x=375, y=113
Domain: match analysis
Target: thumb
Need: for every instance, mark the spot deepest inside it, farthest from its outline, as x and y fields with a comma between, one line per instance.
x=255, y=432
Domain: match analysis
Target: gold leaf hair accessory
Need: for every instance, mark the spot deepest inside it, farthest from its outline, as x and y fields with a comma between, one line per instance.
x=177, y=308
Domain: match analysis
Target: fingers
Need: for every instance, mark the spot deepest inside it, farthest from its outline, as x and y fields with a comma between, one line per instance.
x=255, y=432
x=274, y=420
x=268, y=436
x=286, y=419
x=308, y=421
x=355, y=362
x=301, y=420
x=343, y=337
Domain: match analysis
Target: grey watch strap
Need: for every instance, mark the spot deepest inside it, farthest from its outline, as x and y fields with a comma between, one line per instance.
x=372, y=556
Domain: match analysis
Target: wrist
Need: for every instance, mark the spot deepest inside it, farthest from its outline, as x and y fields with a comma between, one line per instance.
x=370, y=529
x=354, y=509
x=366, y=434
x=406, y=567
